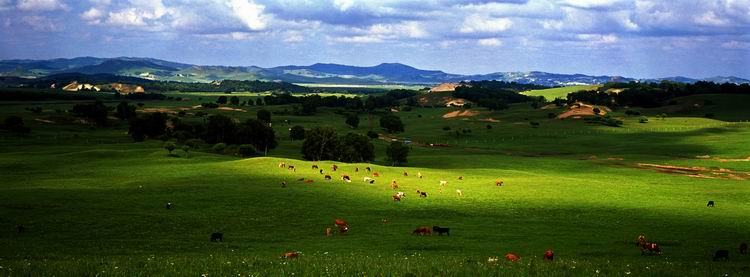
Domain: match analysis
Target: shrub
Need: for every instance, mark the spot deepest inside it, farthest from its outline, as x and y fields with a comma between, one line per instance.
x=231, y=149
x=643, y=119
x=234, y=100
x=221, y=100
x=264, y=115
x=219, y=147
x=392, y=123
x=352, y=120
x=446, y=128
x=710, y=115
x=210, y=105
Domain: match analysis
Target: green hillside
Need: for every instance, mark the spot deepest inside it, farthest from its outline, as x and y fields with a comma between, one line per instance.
x=561, y=92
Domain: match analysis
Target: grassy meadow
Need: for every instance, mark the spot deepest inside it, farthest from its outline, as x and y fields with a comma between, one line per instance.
x=92, y=201
x=561, y=92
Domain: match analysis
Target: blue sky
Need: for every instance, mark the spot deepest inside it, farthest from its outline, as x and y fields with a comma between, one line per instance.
x=634, y=38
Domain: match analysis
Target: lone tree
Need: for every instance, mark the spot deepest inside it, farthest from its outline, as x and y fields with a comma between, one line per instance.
x=221, y=100
x=264, y=115
x=397, y=153
x=320, y=144
x=355, y=148
x=125, y=111
x=392, y=123
x=297, y=133
x=170, y=146
x=352, y=120
x=234, y=100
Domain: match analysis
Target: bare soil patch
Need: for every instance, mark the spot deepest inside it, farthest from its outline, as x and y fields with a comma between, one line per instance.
x=464, y=113
x=697, y=171
x=580, y=110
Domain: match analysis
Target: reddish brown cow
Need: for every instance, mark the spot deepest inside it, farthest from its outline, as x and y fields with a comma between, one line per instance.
x=290, y=255
x=498, y=183
x=651, y=248
x=375, y=174
x=343, y=226
x=512, y=257
x=640, y=241
x=549, y=255
x=423, y=231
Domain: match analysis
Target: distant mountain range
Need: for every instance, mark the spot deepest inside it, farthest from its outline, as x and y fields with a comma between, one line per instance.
x=386, y=73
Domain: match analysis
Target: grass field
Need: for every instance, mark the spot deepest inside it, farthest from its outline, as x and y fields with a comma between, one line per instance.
x=561, y=92
x=93, y=201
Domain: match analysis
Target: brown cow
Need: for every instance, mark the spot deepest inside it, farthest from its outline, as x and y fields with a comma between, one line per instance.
x=512, y=257
x=334, y=167
x=460, y=178
x=549, y=255
x=329, y=232
x=375, y=174
x=498, y=183
x=290, y=255
x=282, y=165
x=651, y=248
x=394, y=185
x=640, y=241
x=343, y=226
x=406, y=174
x=423, y=231
x=309, y=181
x=356, y=169
x=396, y=198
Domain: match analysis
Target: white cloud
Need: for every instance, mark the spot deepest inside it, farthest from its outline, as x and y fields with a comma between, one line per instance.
x=492, y=42
x=356, y=39
x=250, y=13
x=711, y=19
x=229, y=36
x=590, y=4
x=41, y=5
x=736, y=45
x=129, y=17
x=293, y=37
x=343, y=5
x=92, y=14
x=40, y=23
x=598, y=38
x=479, y=24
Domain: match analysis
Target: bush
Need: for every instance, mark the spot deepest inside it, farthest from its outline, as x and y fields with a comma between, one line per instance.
x=392, y=123
x=234, y=100
x=643, y=119
x=210, y=105
x=372, y=134
x=489, y=127
x=246, y=150
x=231, y=150
x=446, y=128
x=551, y=115
x=15, y=124
x=352, y=120
x=297, y=133
x=221, y=100
x=219, y=147
x=170, y=146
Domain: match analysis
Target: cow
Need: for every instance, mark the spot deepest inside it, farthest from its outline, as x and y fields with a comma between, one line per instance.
x=315, y=166
x=498, y=183
x=401, y=194
x=512, y=257
x=394, y=186
x=291, y=167
x=443, y=183
x=640, y=241
x=406, y=174
x=346, y=178
x=301, y=179
x=459, y=192
x=329, y=232
x=493, y=259
x=334, y=167
x=721, y=255
x=169, y=205
x=309, y=181
x=396, y=198
x=321, y=171
x=328, y=177
x=419, y=174
x=422, y=231
x=460, y=178
x=372, y=181
x=549, y=255
x=282, y=165
x=368, y=169
x=283, y=184
x=375, y=174
x=356, y=169
x=343, y=226
x=441, y=231
x=384, y=220
x=743, y=248
x=651, y=248
x=423, y=194
x=366, y=179
x=710, y=204
x=290, y=255
x=216, y=237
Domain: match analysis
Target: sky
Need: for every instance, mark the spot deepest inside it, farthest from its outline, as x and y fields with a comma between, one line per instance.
x=633, y=38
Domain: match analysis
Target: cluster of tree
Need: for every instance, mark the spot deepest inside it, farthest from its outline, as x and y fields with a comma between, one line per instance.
x=325, y=144
x=391, y=123
x=391, y=99
x=307, y=105
x=651, y=95
x=494, y=95
x=15, y=124
x=96, y=112
x=141, y=96
x=397, y=153
x=227, y=86
x=39, y=95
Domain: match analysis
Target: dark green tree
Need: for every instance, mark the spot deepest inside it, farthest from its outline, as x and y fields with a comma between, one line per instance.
x=352, y=120
x=297, y=133
x=264, y=115
x=397, y=153
x=320, y=144
x=392, y=123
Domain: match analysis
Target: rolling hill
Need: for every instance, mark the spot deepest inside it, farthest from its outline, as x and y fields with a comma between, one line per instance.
x=319, y=73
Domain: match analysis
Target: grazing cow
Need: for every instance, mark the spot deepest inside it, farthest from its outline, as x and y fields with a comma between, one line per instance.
x=328, y=177
x=366, y=179
x=346, y=178
x=20, y=228
x=356, y=169
x=443, y=183
x=459, y=192
x=549, y=255
x=375, y=174
x=309, y=181
x=283, y=184
x=422, y=194
x=291, y=167
x=441, y=231
x=396, y=198
x=394, y=185
x=329, y=232
x=290, y=255
x=406, y=174
x=401, y=194
x=710, y=203
x=743, y=248
x=372, y=181
x=169, y=205
x=422, y=231
x=512, y=257
x=301, y=179
x=217, y=237
x=651, y=248
x=493, y=259
x=498, y=183
x=419, y=174
x=640, y=241
x=321, y=171
x=460, y=178
x=368, y=169
x=282, y=165
x=343, y=226
x=721, y=255
x=315, y=166
x=334, y=167
x=384, y=220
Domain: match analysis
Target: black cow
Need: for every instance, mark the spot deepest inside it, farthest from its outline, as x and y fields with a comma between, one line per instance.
x=169, y=205
x=422, y=194
x=217, y=237
x=721, y=255
x=321, y=171
x=368, y=169
x=328, y=177
x=441, y=231
x=710, y=203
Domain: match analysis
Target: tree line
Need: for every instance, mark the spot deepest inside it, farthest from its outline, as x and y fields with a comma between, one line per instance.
x=651, y=95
